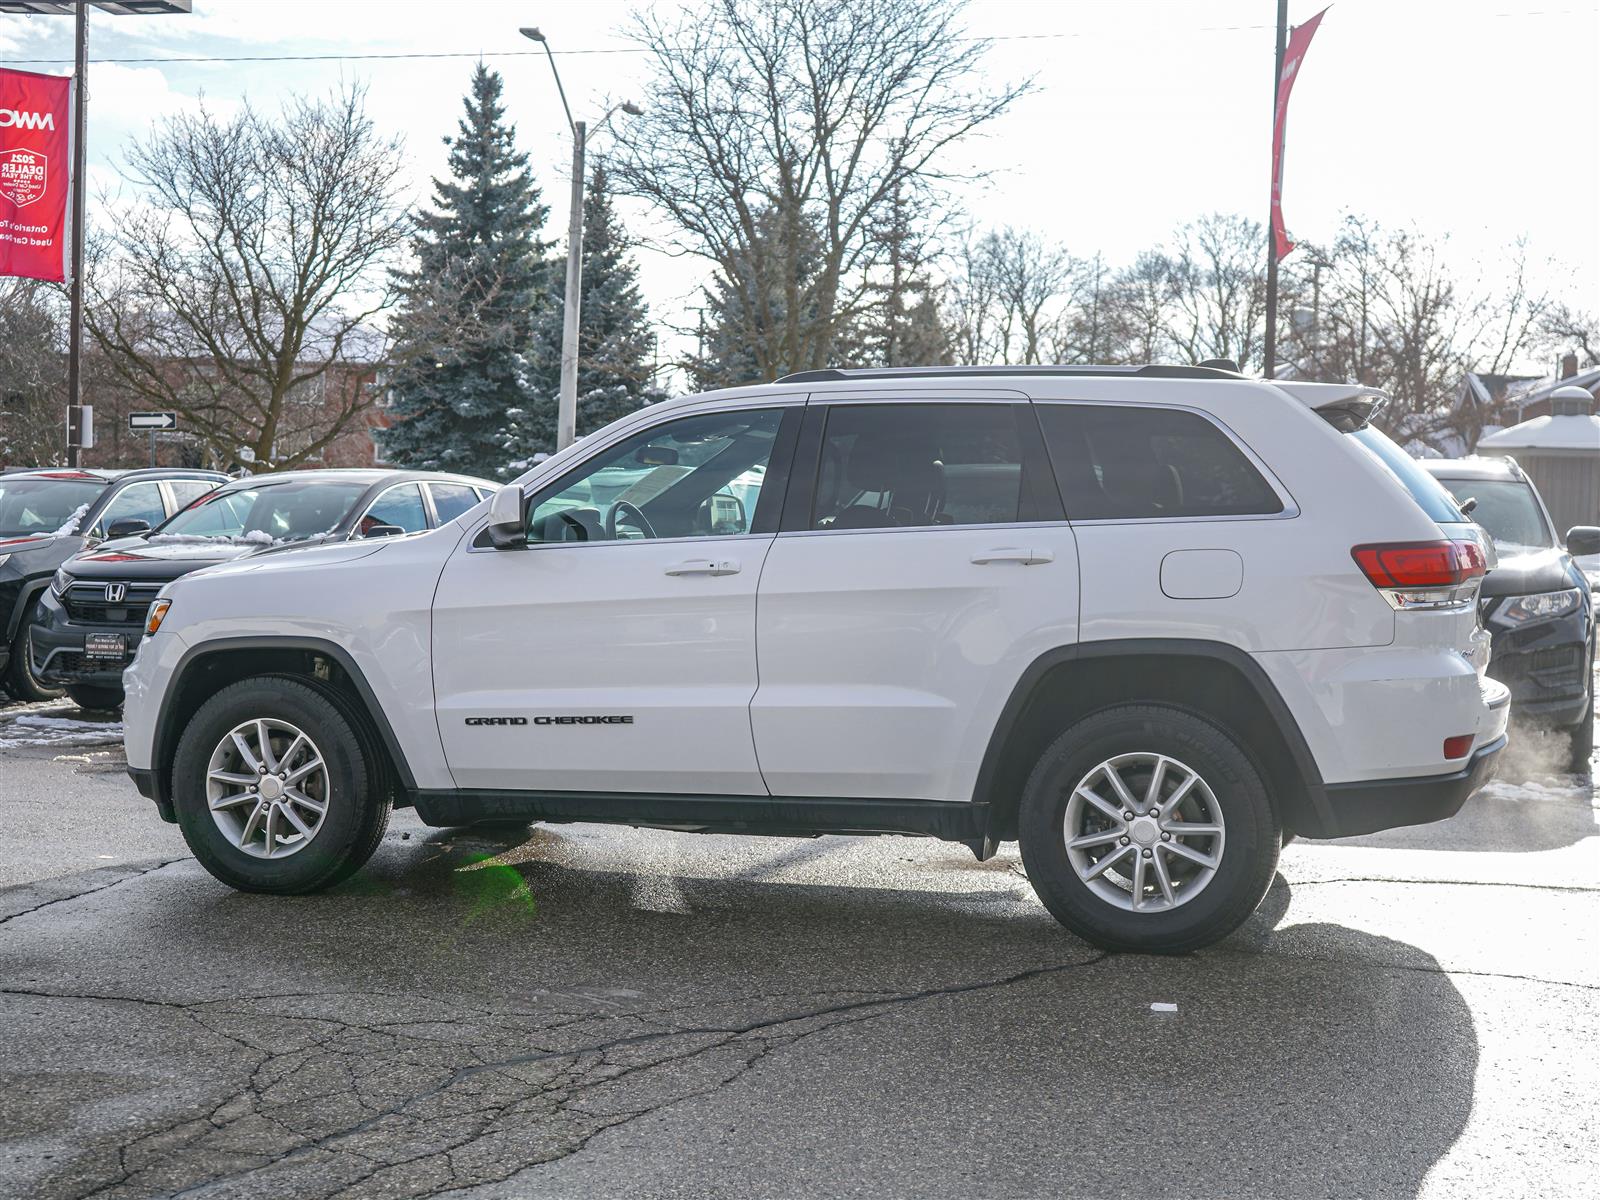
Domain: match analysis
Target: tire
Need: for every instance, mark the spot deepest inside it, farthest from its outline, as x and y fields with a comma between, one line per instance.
x=1582, y=735
x=95, y=699
x=1206, y=903
x=20, y=680
x=355, y=807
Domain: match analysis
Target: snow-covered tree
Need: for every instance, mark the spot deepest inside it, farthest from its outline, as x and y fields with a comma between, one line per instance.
x=470, y=305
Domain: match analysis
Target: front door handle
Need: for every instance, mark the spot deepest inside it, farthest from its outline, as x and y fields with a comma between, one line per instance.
x=705, y=566
x=1010, y=554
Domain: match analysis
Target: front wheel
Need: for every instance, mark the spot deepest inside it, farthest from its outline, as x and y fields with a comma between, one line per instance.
x=19, y=677
x=1147, y=828
x=95, y=699
x=273, y=789
x=1581, y=748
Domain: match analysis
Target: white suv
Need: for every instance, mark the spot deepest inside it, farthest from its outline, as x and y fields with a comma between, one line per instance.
x=1150, y=622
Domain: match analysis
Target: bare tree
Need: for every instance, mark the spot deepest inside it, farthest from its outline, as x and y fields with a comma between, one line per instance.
x=777, y=126
x=32, y=374
x=249, y=263
x=1218, y=290
x=1563, y=327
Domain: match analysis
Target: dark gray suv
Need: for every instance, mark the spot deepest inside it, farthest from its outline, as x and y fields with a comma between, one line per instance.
x=1536, y=602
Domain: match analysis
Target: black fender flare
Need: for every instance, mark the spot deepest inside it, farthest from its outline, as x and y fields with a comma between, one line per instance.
x=166, y=736
x=1322, y=818
x=29, y=593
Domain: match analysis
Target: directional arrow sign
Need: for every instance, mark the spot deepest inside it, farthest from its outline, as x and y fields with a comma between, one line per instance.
x=152, y=420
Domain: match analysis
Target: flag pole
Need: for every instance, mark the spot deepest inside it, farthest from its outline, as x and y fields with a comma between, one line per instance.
x=1269, y=355
x=80, y=99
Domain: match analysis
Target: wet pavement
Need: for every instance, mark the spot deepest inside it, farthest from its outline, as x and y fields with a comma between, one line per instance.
x=586, y=1011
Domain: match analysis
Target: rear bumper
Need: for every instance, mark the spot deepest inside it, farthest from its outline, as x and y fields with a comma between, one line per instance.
x=1379, y=804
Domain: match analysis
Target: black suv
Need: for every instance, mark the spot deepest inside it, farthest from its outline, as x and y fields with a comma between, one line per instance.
x=1536, y=603
x=47, y=516
x=88, y=624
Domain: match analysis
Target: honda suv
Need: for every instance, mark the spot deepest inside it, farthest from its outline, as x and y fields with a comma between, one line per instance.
x=47, y=516
x=88, y=624
x=1147, y=621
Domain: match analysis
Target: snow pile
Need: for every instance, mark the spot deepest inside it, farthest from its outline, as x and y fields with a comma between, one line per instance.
x=71, y=525
x=45, y=725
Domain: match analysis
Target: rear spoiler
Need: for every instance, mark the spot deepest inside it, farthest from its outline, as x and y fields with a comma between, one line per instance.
x=1346, y=406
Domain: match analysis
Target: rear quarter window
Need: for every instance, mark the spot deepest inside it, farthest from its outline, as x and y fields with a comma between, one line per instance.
x=1427, y=491
x=1143, y=463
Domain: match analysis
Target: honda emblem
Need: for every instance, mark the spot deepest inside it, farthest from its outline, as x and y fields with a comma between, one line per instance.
x=116, y=593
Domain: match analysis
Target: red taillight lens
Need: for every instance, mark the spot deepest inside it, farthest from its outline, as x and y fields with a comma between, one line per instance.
x=1419, y=564
x=1457, y=747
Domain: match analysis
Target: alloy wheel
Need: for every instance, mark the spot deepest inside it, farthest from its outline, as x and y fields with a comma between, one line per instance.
x=267, y=787
x=1144, y=832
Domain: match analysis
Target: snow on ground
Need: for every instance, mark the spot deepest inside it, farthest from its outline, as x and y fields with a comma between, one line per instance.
x=55, y=723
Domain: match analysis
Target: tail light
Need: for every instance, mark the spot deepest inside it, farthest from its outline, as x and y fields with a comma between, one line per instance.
x=1413, y=575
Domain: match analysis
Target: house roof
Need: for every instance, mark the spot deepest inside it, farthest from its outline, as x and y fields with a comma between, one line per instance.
x=1565, y=434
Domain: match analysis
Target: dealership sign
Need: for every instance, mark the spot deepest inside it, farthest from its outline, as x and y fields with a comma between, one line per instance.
x=35, y=182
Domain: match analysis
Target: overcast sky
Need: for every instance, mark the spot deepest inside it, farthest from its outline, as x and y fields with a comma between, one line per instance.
x=1473, y=119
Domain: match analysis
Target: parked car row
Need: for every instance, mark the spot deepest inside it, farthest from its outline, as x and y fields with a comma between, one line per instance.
x=84, y=553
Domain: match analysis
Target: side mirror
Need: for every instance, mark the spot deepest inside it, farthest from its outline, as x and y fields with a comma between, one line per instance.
x=507, y=528
x=127, y=527
x=382, y=531
x=1583, y=539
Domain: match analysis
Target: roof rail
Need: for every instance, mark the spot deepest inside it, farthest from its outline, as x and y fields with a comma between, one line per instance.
x=1148, y=371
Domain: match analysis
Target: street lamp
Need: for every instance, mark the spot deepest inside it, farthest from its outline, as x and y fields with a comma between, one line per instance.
x=567, y=409
x=80, y=8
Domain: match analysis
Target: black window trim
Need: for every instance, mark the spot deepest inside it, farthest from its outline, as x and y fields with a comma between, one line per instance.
x=1291, y=507
x=1041, y=499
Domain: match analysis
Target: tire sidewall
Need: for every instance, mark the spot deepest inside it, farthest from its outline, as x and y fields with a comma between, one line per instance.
x=22, y=682
x=349, y=802
x=1251, y=829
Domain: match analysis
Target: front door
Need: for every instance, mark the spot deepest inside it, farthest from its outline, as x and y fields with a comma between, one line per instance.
x=617, y=652
x=908, y=591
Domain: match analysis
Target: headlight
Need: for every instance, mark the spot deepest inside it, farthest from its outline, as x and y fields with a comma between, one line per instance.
x=158, y=614
x=61, y=582
x=1540, y=606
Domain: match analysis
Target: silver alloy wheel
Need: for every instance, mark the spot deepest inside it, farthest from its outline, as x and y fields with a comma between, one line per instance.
x=1144, y=832
x=267, y=787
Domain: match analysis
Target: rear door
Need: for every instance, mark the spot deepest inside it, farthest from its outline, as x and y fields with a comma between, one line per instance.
x=922, y=565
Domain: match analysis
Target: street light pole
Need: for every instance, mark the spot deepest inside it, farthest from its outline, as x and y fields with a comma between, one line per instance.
x=80, y=101
x=567, y=406
x=567, y=410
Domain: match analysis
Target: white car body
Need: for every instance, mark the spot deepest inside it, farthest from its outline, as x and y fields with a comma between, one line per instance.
x=814, y=665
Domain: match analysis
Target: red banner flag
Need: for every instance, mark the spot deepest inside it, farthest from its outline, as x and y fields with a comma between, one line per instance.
x=1293, y=54
x=35, y=174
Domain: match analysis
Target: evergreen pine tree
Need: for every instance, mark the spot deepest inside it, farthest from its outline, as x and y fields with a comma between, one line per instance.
x=614, y=342
x=468, y=307
x=900, y=326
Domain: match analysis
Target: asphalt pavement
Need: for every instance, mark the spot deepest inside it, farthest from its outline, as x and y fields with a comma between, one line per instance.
x=581, y=1011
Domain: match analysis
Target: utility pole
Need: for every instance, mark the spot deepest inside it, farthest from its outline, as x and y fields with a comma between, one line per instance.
x=1269, y=357
x=80, y=101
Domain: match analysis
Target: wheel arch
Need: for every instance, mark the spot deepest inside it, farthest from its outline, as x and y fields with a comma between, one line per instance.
x=1213, y=680
x=209, y=667
x=29, y=592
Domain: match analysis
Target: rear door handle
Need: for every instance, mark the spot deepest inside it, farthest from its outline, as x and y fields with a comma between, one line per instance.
x=705, y=566
x=1010, y=554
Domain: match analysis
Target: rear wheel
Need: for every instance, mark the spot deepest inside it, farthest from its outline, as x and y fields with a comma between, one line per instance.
x=95, y=699
x=1146, y=828
x=20, y=680
x=274, y=791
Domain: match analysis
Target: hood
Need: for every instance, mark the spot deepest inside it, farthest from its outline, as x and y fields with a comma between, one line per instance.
x=20, y=543
x=1523, y=570
x=163, y=557
x=297, y=556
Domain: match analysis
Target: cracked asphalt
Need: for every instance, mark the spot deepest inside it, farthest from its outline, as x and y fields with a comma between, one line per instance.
x=568, y=1011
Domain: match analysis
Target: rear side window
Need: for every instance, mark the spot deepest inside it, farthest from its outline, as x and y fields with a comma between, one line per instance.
x=450, y=500
x=1131, y=463
x=897, y=466
x=1427, y=491
x=187, y=491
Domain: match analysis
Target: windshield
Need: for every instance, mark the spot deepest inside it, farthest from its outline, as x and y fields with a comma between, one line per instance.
x=268, y=512
x=1424, y=488
x=42, y=506
x=1507, y=508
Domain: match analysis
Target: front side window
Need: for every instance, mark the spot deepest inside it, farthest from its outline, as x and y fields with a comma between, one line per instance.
x=399, y=506
x=695, y=477
x=1117, y=462
x=137, y=502
x=897, y=466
